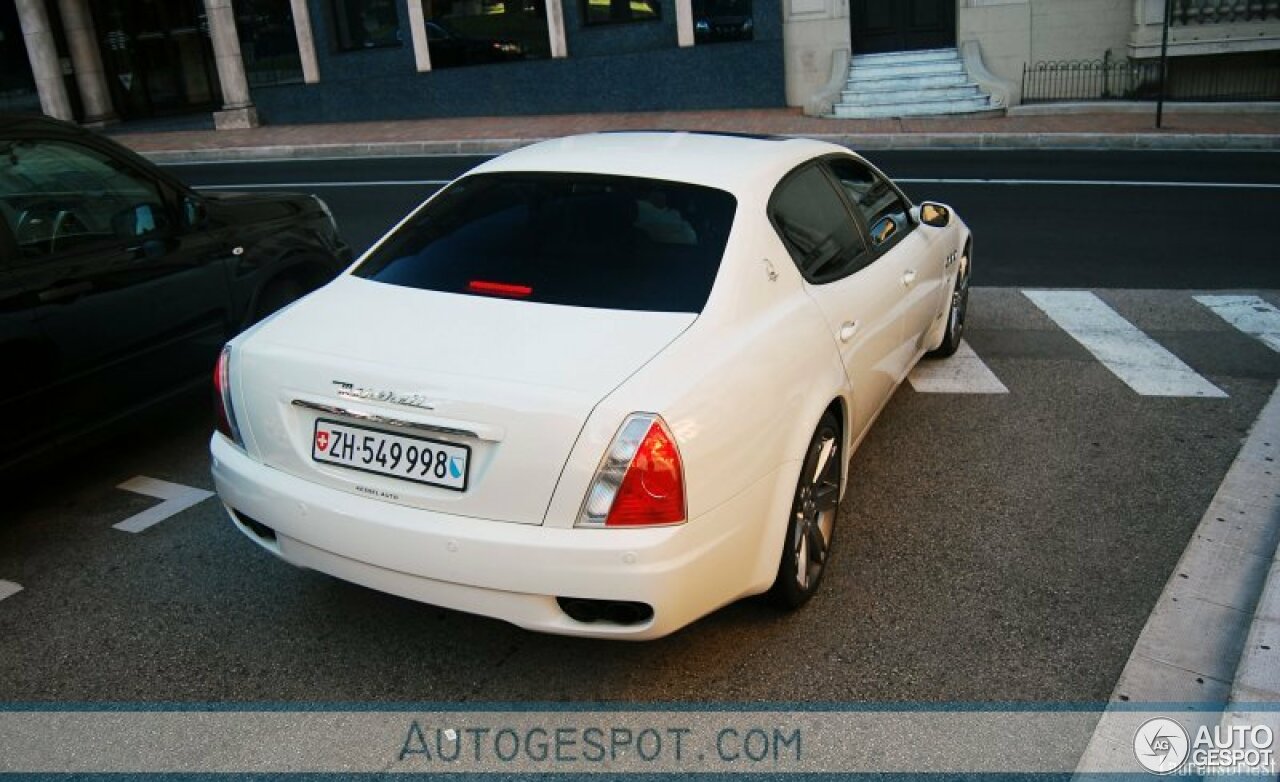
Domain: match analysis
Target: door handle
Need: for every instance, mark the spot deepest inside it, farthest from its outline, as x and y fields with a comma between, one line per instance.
x=909, y=278
x=65, y=292
x=848, y=330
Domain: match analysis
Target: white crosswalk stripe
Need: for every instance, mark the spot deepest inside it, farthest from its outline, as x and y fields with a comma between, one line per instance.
x=962, y=373
x=1250, y=314
x=1142, y=363
x=9, y=589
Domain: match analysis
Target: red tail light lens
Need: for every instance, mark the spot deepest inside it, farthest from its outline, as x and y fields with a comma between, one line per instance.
x=222, y=397
x=641, y=481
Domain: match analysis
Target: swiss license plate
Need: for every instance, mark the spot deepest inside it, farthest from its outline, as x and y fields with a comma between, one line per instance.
x=382, y=453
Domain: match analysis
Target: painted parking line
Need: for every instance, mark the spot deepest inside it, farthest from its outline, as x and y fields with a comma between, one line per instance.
x=962, y=373
x=177, y=498
x=1142, y=363
x=9, y=589
x=1250, y=314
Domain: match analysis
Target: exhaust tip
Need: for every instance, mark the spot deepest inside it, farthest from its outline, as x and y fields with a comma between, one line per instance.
x=618, y=612
x=256, y=527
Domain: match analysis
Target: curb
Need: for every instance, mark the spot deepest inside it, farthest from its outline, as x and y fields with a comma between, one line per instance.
x=1140, y=107
x=1214, y=634
x=859, y=141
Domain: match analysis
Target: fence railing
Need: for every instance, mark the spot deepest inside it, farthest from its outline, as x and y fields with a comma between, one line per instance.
x=1186, y=12
x=1088, y=80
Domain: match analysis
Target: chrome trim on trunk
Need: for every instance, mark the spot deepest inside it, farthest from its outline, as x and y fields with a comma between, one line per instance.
x=374, y=418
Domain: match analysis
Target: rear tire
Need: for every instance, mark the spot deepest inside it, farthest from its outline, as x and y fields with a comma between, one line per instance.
x=814, y=509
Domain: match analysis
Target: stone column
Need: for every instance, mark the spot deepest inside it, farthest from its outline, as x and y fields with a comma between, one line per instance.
x=87, y=60
x=684, y=22
x=238, y=110
x=555, y=29
x=43, y=53
x=418, y=31
x=306, y=41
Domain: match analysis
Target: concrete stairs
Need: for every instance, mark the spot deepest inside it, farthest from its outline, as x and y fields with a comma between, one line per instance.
x=909, y=84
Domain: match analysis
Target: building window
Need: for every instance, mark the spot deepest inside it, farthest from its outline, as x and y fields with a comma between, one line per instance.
x=614, y=11
x=719, y=21
x=268, y=42
x=17, y=87
x=365, y=24
x=478, y=32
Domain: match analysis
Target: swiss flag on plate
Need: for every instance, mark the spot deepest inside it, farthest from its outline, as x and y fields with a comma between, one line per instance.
x=322, y=440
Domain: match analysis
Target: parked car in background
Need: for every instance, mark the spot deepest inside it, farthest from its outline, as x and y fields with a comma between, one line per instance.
x=119, y=284
x=717, y=21
x=597, y=386
x=450, y=48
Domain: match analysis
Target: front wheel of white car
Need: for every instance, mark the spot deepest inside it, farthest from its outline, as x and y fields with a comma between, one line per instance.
x=957, y=309
x=814, y=508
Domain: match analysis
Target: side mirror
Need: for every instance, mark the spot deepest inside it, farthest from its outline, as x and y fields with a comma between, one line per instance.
x=883, y=230
x=935, y=215
x=139, y=220
x=193, y=212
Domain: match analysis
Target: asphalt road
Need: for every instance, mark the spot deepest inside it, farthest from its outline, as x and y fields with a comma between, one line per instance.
x=1126, y=231
x=991, y=547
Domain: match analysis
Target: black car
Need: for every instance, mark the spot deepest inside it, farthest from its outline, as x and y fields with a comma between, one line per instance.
x=119, y=284
x=718, y=21
x=449, y=48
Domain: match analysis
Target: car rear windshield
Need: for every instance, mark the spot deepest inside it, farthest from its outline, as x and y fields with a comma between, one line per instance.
x=610, y=242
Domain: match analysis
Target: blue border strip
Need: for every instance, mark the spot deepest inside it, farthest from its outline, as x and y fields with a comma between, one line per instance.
x=639, y=708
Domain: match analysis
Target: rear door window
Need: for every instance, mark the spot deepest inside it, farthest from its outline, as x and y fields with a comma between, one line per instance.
x=817, y=227
x=581, y=240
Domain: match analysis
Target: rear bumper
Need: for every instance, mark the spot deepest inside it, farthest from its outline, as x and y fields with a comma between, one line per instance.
x=508, y=571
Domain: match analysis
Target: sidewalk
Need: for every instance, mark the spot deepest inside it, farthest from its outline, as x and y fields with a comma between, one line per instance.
x=1111, y=130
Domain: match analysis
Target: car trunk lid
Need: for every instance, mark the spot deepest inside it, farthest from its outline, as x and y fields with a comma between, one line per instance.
x=511, y=381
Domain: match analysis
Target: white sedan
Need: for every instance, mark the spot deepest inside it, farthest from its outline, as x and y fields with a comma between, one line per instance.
x=599, y=386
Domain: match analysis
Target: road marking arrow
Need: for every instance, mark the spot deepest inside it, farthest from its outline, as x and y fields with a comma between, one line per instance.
x=177, y=498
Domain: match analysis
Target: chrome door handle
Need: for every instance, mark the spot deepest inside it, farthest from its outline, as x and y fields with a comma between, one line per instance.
x=909, y=278
x=848, y=330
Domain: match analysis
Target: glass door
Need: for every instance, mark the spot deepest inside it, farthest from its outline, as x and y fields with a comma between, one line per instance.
x=158, y=56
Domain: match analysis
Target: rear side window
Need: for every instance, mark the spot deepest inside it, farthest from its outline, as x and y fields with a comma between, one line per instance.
x=817, y=227
x=581, y=240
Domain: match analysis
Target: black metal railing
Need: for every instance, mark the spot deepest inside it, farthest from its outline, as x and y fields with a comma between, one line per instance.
x=1188, y=12
x=1203, y=79
x=1047, y=82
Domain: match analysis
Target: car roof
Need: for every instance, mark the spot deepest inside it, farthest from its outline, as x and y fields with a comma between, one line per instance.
x=737, y=163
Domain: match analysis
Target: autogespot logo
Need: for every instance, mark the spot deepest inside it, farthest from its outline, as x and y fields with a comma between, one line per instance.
x=1161, y=745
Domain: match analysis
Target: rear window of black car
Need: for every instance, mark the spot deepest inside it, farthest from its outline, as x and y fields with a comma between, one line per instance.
x=609, y=242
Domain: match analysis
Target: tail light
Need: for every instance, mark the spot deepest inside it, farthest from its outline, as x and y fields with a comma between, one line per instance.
x=640, y=483
x=222, y=398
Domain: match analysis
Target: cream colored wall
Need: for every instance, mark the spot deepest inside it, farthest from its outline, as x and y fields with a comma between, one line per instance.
x=1003, y=29
x=1015, y=32
x=812, y=31
x=1079, y=29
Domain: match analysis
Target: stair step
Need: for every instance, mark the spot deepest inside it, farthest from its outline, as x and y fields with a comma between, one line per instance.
x=923, y=82
x=888, y=71
x=916, y=109
x=923, y=54
x=881, y=97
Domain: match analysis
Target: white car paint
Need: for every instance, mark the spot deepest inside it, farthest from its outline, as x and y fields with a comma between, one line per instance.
x=543, y=389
